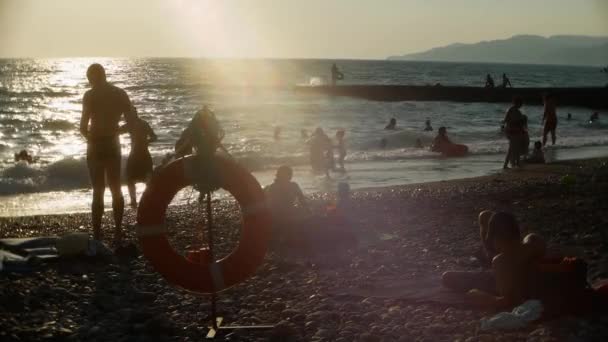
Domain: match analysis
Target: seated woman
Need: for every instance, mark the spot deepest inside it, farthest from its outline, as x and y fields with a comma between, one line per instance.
x=521, y=271
x=443, y=145
x=282, y=195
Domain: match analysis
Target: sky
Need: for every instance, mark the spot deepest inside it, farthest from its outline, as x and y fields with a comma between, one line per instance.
x=361, y=29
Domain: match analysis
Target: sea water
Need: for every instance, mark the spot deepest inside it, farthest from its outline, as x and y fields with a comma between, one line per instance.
x=41, y=102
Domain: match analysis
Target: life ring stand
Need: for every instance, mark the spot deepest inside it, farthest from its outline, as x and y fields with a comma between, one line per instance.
x=198, y=272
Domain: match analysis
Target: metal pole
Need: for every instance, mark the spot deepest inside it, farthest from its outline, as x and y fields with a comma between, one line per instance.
x=212, y=257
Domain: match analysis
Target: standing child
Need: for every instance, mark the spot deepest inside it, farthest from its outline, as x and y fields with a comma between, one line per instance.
x=341, y=148
x=139, y=163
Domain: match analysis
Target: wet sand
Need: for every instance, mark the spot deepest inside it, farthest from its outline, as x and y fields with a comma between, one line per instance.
x=407, y=231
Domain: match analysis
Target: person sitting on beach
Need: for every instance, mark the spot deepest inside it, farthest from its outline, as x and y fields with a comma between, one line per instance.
x=510, y=258
x=594, y=117
x=283, y=194
x=428, y=126
x=23, y=155
x=139, y=163
x=514, y=130
x=320, y=152
x=102, y=108
x=392, y=124
x=489, y=81
x=524, y=269
x=537, y=156
x=341, y=148
x=505, y=81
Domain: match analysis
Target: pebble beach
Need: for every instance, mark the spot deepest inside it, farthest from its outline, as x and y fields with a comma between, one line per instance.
x=407, y=232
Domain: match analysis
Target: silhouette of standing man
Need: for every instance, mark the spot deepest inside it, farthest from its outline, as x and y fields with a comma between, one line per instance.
x=102, y=108
x=336, y=74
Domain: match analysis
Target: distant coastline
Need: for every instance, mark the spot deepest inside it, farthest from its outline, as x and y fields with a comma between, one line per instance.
x=523, y=49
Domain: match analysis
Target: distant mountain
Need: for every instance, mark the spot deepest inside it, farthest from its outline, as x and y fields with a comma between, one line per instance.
x=529, y=49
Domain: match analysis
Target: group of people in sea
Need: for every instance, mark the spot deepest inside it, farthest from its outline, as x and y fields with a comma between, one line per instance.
x=515, y=127
x=506, y=83
x=441, y=143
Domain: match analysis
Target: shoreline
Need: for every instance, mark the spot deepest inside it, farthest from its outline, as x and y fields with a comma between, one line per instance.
x=266, y=178
x=405, y=232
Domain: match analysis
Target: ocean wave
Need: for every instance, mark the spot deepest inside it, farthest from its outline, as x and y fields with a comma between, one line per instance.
x=45, y=92
x=57, y=125
x=65, y=174
x=48, y=125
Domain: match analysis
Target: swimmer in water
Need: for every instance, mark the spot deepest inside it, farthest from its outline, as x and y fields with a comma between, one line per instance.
x=441, y=140
x=23, y=155
x=392, y=124
x=428, y=126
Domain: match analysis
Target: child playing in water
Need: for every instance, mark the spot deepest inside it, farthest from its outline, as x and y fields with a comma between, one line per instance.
x=139, y=163
x=537, y=156
x=341, y=148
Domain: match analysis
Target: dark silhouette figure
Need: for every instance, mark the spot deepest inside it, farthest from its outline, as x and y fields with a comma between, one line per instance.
x=321, y=152
x=383, y=143
x=419, y=143
x=489, y=81
x=392, y=124
x=569, y=117
x=428, y=126
x=506, y=82
x=594, y=117
x=23, y=155
x=139, y=163
x=336, y=75
x=102, y=108
x=515, y=131
x=549, y=119
x=441, y=140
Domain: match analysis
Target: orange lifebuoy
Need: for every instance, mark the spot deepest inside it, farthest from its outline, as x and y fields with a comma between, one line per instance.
x=204, y=276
